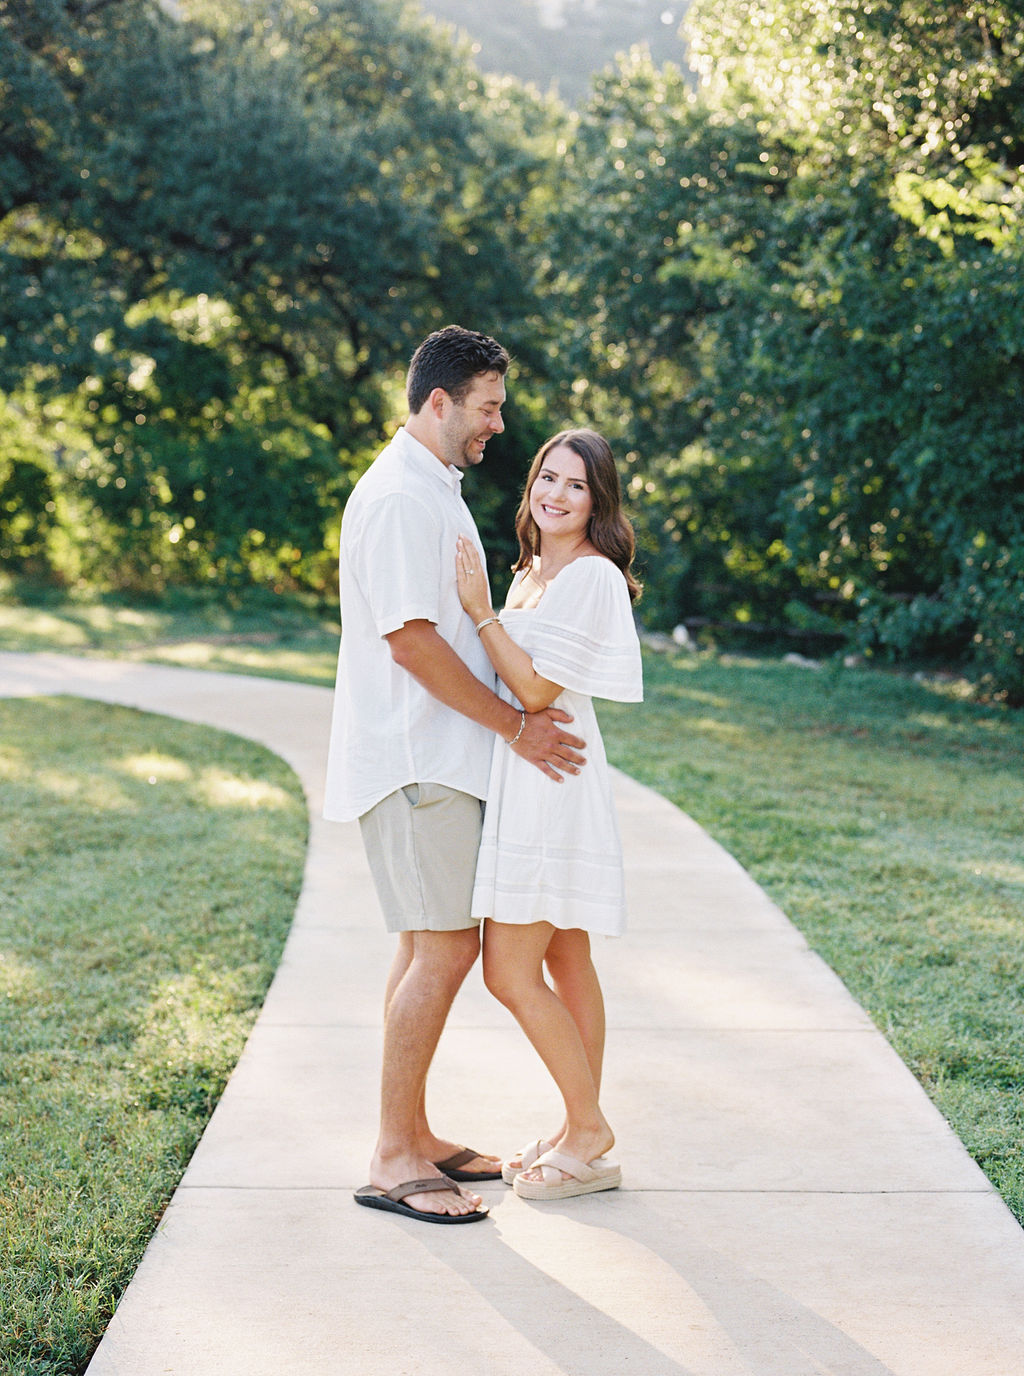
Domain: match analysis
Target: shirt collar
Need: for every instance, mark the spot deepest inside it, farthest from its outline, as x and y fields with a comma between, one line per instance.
x=426, y=460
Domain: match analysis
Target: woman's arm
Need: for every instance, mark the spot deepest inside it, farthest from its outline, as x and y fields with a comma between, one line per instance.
x=511, y=663
x=540, y=738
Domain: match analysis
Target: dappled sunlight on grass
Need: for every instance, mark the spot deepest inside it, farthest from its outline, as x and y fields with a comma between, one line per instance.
x=18, y=979
x=12, y=761
x=729, y=731
x=41, y=630
x=106, y=618
x=697, y=695
x=929, y=721
x=74, y=626
x=220, y=789
x=99, y=793
x=152, y=767
x=190, y=654
x=1002, y=871
x=269, y=637
x=956, y=689
x=190, y=1038
x=991, y=729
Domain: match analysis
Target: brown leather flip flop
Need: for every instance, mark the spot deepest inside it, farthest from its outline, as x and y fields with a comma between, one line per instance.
x=392, y=1201
x=451, y=1167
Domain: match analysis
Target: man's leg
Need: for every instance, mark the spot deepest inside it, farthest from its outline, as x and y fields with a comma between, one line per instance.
x=421, y=843
x=428, y=1143
x=401, y=963
x=430, y=968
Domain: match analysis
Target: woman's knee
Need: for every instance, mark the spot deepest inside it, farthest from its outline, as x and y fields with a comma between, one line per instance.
x=513, y=983
x=514, y=961
x=568, y=956
x=498, y=979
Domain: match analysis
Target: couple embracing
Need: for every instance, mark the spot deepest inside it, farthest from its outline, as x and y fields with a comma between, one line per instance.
x=466, y=744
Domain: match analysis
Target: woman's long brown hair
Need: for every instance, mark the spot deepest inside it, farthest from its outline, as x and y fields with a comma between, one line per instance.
x=609, y=530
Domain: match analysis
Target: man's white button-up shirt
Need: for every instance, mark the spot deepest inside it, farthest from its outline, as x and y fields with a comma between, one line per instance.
x=398, y=539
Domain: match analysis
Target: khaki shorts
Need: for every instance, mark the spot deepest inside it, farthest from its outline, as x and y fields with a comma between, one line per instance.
x=421, y=842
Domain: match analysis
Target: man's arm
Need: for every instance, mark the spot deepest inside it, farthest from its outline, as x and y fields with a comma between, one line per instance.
x=418, y=648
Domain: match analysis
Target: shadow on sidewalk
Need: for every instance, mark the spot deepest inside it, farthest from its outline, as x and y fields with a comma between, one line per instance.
x=738, y=1321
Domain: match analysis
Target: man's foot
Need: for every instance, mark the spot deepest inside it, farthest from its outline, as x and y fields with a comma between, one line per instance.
x=389, y=1173
x=394, y=1201
x=468, y=1165
x=442, y=1153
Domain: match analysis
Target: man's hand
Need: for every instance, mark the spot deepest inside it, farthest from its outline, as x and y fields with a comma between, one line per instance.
x=547, y=744
x=421, y=651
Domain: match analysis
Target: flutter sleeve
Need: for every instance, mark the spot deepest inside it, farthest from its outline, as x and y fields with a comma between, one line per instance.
x=583, y=636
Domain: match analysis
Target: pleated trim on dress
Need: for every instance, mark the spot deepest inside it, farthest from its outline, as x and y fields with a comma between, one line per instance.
x=565, y=886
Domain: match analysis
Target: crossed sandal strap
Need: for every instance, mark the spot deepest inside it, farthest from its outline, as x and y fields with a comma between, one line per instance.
x=557, y=1160
x=534, y=1151
x=435, y=1182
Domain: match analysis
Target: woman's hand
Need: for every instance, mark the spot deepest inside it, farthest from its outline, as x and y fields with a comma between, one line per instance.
x=473, y=591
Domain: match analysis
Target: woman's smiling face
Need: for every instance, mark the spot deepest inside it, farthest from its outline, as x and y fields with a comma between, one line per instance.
x=560, y=500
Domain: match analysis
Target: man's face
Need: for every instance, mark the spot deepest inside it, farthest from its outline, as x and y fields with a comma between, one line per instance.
x=466, y=428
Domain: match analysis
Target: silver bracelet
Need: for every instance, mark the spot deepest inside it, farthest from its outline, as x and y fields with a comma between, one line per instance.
x=487, y=621
x=522, y=726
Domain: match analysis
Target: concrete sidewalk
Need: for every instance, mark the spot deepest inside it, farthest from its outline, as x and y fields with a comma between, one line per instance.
x=793, y=1205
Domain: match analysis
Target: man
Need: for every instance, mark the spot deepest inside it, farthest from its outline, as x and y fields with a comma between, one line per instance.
x=411, y=742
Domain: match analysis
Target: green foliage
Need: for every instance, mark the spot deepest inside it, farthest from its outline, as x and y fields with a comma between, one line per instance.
x=798, y=293
x=791, y=299
x=888, y=353
x=670, y=246
x=923, y=86
x=253, y=217
x=26, y=504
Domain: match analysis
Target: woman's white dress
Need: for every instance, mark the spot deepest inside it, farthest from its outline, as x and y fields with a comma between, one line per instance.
x=551, y=852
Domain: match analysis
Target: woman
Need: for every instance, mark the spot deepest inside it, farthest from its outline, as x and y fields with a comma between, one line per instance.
x=550, y=866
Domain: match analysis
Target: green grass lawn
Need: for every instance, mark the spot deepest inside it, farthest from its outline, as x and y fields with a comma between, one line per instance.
x=882, y=814
x=150, y=873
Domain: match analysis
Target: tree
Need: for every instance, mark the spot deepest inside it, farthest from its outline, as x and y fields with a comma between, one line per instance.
x=806, y=298
x=899, y=363
x=275, y=204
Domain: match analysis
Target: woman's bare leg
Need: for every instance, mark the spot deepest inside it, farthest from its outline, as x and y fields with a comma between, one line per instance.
x=575, y=982
x=514, y=973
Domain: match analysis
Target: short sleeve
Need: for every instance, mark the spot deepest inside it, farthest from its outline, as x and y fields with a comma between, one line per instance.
x=582, y=635
x=397, y=561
